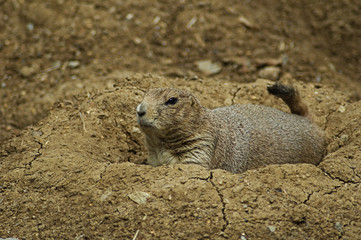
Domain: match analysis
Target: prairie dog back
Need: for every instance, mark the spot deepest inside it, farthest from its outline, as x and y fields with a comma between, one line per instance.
x=264, y=136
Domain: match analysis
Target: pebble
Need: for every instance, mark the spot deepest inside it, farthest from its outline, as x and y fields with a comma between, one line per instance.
x=139, y=197
x=112, y=9
x=208, y=67
x=28, y=71
x=37, y=133
x=263, y=62
x=271, y=229
x=344, y=138
x=137, y=40
x=156, y=20
x=129, y=16
x=74, y=64
x=192, y=22
x=136, y=130
x=245, y=22
x=270, y=72
x=338, y=226
x=341, y=109
x=30, y=27
x=105, y=195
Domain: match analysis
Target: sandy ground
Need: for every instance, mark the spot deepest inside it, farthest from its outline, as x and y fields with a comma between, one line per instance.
x=72, y=156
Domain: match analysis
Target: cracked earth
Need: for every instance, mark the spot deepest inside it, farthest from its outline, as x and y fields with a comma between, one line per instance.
x=93, y=181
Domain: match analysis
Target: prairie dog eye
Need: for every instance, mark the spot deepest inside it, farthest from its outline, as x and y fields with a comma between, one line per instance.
x=171, y=101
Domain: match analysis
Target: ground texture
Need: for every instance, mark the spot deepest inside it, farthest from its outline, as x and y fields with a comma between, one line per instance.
x=71, y=154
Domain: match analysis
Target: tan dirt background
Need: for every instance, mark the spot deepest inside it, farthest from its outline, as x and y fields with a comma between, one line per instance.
x=72, y=157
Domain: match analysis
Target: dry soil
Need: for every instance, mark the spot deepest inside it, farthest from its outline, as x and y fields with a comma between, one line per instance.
x=72, y=156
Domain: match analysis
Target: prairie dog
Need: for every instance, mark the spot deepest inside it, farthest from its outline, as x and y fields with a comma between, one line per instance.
x=178, y=129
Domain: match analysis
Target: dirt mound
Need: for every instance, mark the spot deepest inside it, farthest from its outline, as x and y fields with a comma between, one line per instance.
x=80, y=174
x=71, y=154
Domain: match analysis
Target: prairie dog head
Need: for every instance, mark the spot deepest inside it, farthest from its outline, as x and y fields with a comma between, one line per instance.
x=166, y=111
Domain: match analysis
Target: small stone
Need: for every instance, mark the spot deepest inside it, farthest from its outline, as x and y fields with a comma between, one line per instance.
x=270, y=72
x=30, y=27
x=192, y=22
x=208, y=67
x=156, y=20
x=338, y=226
x=263, y=62
x=271, y=229
x=105, y=195
x=37, y=133
x=332, y=67
x=341, y=109
x=27, y=71
x=282, y=46
x=344, y=138
x=112, y=9
x=136, y=130
x=245, y=22
x=137, y=40
x=139, y=197
x=74, y=64
x=129, y=16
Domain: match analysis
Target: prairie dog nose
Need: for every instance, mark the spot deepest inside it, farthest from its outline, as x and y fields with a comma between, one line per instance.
x=141, y=110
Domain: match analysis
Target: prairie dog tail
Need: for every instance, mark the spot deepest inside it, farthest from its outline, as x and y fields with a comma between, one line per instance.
x=291, y=97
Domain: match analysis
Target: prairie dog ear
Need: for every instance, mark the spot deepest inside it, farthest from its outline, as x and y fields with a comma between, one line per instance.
x=194, y=101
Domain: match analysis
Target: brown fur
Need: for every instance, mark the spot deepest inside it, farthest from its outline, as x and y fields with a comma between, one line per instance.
x=291, y=97
x=234, y=138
